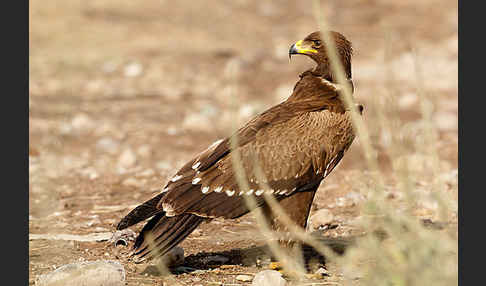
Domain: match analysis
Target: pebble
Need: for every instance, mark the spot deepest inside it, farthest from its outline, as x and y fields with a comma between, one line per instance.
x=123, y=237
x=146, y=173
x=320, y=219
x=197, y=122
x=82, y=122
x=244, y=278
x=163, y=165
x=132, y=182
x=269, y=278
x=92, y=273
x=127, y=159
x=446, y=121
x=108, y=145
x=322, y=271
x=133, y=70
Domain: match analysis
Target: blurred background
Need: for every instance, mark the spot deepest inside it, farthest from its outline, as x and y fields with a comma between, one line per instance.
x=123, y=93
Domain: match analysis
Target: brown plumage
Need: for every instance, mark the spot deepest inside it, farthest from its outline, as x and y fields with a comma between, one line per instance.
x=297, y=143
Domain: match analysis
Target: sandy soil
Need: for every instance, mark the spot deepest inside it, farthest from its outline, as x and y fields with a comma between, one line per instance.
x=122, y=93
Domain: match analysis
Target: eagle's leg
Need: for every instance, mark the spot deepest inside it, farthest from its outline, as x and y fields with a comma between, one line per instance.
x=297, y=207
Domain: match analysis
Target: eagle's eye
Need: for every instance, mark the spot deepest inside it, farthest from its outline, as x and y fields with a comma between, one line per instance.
x=317, y=43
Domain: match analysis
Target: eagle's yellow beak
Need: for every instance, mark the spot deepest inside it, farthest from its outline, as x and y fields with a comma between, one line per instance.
x=300, y=48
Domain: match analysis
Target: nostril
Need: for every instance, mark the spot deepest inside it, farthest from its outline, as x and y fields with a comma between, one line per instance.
x=360, y=108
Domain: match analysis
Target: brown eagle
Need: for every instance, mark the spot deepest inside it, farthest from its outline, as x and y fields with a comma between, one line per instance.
x=297, y=144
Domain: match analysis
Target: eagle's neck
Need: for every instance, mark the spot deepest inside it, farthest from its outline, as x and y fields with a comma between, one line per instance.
x=324, y=70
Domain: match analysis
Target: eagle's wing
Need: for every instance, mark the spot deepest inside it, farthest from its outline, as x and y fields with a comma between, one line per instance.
x=272, y=137
x=293, y=154
x=296, y=144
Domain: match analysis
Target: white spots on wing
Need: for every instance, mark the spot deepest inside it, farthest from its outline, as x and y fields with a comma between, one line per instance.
x=259, y=192
x=219, y=189
x=250, y=192
x=196, y=180
x=271, y=191
x=195, y=166
x=215, y=143
x=205, y=190
x=175, y=178
x=230, y=193
x=296, y=175
x=293, y=190
x=241, y=193
x=165, y=189
x=283, y=192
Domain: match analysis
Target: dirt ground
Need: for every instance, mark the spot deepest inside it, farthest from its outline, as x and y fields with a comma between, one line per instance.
x=123, y=93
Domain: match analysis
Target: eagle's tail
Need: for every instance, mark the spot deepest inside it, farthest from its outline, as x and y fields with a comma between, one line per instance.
x=163, y=233
x=140, y=213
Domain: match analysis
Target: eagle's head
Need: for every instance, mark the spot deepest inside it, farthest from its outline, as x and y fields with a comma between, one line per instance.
x=314, y=47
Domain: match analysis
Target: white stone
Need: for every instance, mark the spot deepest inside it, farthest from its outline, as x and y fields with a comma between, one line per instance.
x=269, y=278
x=82, y=122
x=132, y=182
x=133, y=70
x=108, y=145
x=127, y=158
x=92, y=273
x=320, y=219
x=244, y=278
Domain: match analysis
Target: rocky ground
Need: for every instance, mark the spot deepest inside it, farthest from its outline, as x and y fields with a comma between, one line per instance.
x=123, y=93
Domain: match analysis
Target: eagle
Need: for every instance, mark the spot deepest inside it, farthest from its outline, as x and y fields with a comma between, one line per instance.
x=296, y=143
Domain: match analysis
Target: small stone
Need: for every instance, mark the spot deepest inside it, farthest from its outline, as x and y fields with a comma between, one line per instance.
x=407, y=100
x=198, y=122
x=93, y=273
x=172, y=131
x=127, y=159
x=123, y=237
x=244, y=278
x=322, y=272
x=446, y=121
x=82, y=122
x=146, y=173
x=107, y=144
x=321, y=219
x=132, y=182
x=163, y=165
x=133, y=70
x=269, y=278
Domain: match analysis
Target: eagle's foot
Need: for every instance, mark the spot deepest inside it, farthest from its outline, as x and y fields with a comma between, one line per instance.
x=275, y=266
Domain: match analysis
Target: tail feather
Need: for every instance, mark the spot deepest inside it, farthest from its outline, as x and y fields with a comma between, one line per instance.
x=140, y=213
x=163, y=233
